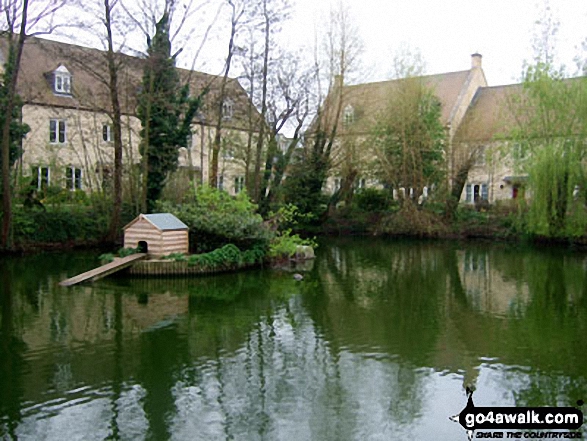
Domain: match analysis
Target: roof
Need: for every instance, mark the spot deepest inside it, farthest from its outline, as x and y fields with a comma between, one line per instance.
x=161, y=221
x=370, y=99
x=489, y=115
x=89, y=72
x=495, y=112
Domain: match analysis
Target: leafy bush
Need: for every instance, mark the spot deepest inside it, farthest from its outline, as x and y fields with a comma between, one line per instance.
x=58, y=224
x=215, y=219
x=124, y=252
x=372, y=199
x=285, y=244
x=227, y=257
x=106, y=258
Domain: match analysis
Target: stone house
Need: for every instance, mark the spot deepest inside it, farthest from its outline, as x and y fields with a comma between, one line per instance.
x=363, y=103
x=70, y=144
x=479, y=120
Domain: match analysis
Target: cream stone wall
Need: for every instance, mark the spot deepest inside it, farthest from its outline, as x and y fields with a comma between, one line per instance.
x=496, y=165
x=84, y=147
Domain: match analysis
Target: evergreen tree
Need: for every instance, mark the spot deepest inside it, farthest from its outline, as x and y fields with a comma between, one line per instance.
x=18, y=129
x=166, y=112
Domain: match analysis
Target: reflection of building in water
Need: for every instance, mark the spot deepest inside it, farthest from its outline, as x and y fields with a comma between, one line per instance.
x=487, y=288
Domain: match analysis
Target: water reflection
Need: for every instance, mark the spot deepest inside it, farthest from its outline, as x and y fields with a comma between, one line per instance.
x=375, y=343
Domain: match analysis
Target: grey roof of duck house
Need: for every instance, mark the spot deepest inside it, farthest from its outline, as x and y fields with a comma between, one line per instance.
x=162, y=221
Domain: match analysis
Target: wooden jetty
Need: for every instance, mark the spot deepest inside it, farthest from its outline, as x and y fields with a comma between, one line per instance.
x=104, y=270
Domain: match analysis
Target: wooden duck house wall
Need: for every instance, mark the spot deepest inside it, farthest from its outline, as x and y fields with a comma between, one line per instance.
x=160, y=235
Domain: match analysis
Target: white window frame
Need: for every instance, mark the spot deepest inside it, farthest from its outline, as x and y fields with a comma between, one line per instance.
x=470, y=191
x=38, y=170
x=239, y=184
x=227, y=109
x=106, y=132
x=348, y=115
x=56, y=128
x=62, y=81
x=75, y=178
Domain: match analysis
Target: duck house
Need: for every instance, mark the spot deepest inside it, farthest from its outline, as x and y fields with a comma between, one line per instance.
x=157, y=234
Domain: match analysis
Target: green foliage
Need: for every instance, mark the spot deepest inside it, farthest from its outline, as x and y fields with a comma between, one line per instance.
x=227, y=257
x=58, y=225
x=303, y=186
x=125, y=252
x=215, y=219
x=106, y=258
x=166, y=109
x=18, y=130
x=285, y=244
x=550, y=149
x=409, y=138
x=372, y=199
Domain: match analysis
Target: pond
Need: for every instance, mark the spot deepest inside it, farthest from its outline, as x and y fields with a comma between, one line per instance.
x=377, y=342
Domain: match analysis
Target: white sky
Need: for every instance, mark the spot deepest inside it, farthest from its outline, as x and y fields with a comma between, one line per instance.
x=447, y=32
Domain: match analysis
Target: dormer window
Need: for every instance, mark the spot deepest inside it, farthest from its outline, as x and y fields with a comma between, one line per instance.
x=348, y=116
x=62, y=81
x=227, y=109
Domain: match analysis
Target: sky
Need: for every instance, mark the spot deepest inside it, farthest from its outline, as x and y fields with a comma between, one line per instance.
x=447, y=32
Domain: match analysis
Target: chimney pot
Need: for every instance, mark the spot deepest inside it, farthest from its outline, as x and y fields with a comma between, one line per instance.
x=476, y=60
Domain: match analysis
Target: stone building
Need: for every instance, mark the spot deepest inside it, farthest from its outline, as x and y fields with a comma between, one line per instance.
x=478, y=119
x=363, y=103
x=67, y=105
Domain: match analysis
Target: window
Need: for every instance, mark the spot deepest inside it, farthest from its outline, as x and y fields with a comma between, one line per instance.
x=41, y=177
x=107, y=133
x=57, y=131
x=220, y=182
x=227, y=109
x=62, y=84
x=189, y=143
x=361, y=183
x=348, y=116
x=239, y=184
x=73, y=178
x=337, y=184
x=475, y=192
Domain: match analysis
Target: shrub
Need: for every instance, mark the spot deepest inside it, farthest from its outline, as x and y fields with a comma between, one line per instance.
x=285, y=244
x=227, y=257
x=58, y=224
x=106, y=258
x=216, y=219
x=372, y=199
x=124, y=252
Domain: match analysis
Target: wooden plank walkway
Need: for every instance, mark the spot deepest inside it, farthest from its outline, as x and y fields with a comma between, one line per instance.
x=104, y=270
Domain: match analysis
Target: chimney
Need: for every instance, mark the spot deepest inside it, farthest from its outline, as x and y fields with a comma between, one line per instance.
x=338, y=82
x=476, y=60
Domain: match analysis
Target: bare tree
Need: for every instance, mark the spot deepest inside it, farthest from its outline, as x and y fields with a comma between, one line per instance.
x=237, y=8
x=22, y=18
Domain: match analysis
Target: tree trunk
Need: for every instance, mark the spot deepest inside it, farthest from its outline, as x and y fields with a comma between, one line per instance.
x=11, y=80
x=117, y=128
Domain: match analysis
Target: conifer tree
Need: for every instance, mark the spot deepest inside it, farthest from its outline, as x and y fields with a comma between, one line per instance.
x=166, y=111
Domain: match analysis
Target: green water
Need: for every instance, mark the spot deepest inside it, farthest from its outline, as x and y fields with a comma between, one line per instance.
x=376, y=343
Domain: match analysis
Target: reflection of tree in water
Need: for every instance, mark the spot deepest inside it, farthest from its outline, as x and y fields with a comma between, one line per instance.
x=12, y=364
x=377, y=298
